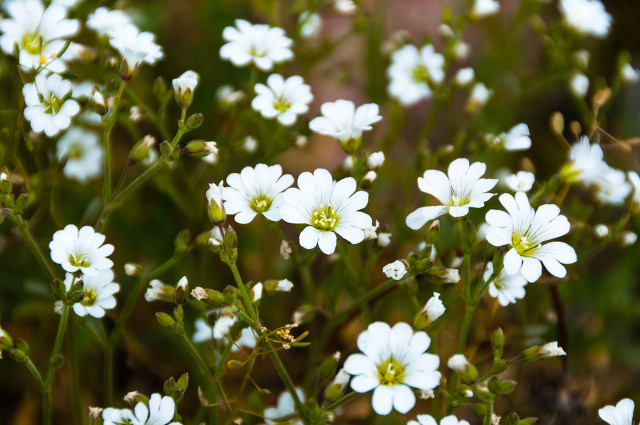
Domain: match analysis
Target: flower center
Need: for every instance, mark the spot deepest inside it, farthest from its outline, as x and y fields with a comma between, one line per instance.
x=261, y=203
x=81, y=260
x=420, y=74
x=522, y=244
x=52, y=105
x=257, y=53
x=32, y=43
x=391, y=372
x=281, y=105
x=75, y=151
x=325, y=218
x=90, y=297
x=459, y=200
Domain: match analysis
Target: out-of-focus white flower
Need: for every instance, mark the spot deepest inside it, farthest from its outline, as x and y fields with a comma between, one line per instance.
x=375, y=160
x=58, y=306
x=84, y=153
x=601, y=231
x=98, y=293
x=525, y=230
x=507, y=288
x=460, y=190
x=103, y=21
x=579, y=84
x=464, y=76
x=132, y=269
x=585, y=163
x=369, y=178
x=395, y=270
x=39, y=33
x=461, y=50
x=256, y=191
x=393, y=361
x=310, y=24
x=183, y=88
x=587, y=17
x=256, y=291
x=343, y=121
x=344, y=6
x=620, y=414
x=48, y=104
x=205, y=333
x=159, y=411
x=250, y=144
x=327, y=207
x=285, y=407
x=634, y=179
x=413, y=72
x=283, y=285
x=613, y=187
x=222, y=326
x=212, y=148
x=282, y=99
x=370, y=233
x=458, y=363
x=158, y=291
x=135, y=47
x=259, y=44
x=285, y=250
x=384, y=239
x=522, y=181
x=517, y=138
x=629, y=75
x=551, y=349
x=582, y=57
x=628, y=238
x=81, y=250
x=480, y=94
x=430, y=420
x=482, y=8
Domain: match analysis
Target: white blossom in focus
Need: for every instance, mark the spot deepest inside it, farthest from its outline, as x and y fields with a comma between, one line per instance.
x=47, y=104
x=458, y=191
x=98, y=293
x=392, y=361
x=522, y=181
x=430, y=420
x=256, y=191
x=284, y=408
x=524, y=230
x=135, y=47
x=327, y=207
x=342, y=120
x=103, y=21
x=259, y=44
x=39, y=33
x=395, y=270
x=413, y=72
x=83, y=152
x=282, y=99
x=81, y=250
x=159, y=411
x=183, y=88
x=482, y=8
x=585, y=163
x=620, y=414
x=507, y=288
x=587, y=17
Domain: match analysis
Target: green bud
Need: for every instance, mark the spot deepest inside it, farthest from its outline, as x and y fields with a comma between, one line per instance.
x=6, y=342
x=166, y=149
x=201, y=149
x=140, y=150
x=21, y=203
x=497, y=343
x=333, y=392
x=499, y=366
x=528, y=421
x=432, y=234
x=180, y=294
x=444, y=274
x=497, y=261
x=99, y=104
x=18, y=356
x=479, y=410
x=159, y=88
x=328, y=367
x=216, y=211
x=235, y=364
x=264, y=393
x=169, y=386
x=194, y=121
x=178, y=314
x=483, y=393
x=165, y=320
x=74, y=297
x=230, y=238
x=58, y=288
x=56, y=361
x=506, y=386
x=229, y=295
x=181, y=241
x=181, y=387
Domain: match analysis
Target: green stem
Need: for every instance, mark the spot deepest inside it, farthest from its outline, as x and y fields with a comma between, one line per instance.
x=223, y=358
x=206, y=370
x=23, y=228
x=107, y=124
x=344, y=400
x=57, y=346
x=35, y=373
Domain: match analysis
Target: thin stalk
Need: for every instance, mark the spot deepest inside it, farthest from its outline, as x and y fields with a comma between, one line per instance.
x=57, y=346
x=344, y=400
x=35, y=373
x=196, y=355
x=23, y=228
x=107, y=125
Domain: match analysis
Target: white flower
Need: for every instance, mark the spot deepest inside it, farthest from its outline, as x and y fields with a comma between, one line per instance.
x=628, y=238
x=183, y=88
x=551, y=349
x=579, y=84
x=482, y=8
x=343, y=121
x=522, y=181
x=384, y=239
x=48, y=107
x=83, y=152
x=634, y=179
x=429, y=420
x=158, y=291
x=98, y=293
x=103, y=21
x=345, y=6
x=256, y=291
x=250, y=144
x=327, y=207
x=613, y=187
x=620, y=414
x=433, y=309
x=395, y=270
x=223, y=325
x=507, y=288
x=284, y=285
x=135, y=47
x=285, y=408
x=629, y=75
x=460, y=190
x=587, y=17
x=309, y=24
x=525, y=230
x=81, y=250
x=258, y=44
x=282, y=99
x=479, y=96
x=256, y=191
x=464, y=76
x=412, y=73
x=458, y=363
x=205, y=333
x=159, y=412
x=394, y=360
x=517, y=138
x=369, y=178
x=585, y=163
x=39, y=33
x=601, y=230
x=375, y=160
x=461, y=50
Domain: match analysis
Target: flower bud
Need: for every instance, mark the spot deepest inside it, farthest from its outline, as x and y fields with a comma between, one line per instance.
x=498, y=386
x=134, y=397
x=536, y=353
x=445, y=275
x=384, y=239
x=99, y=104
x=304, y=314
x=329, y=366
x=429, y=313
x=480, y=94
x=256, y=291
x=5, y=182
x=432, y=234
x=369, y=178
x=133, y=269
x=283, y=285
x=180, y=294
x=201, y=149
x=375, y=160
x=285, y=250
x=395, y=270
x=6, y=343
x=194, y=121
x=217, y=214
x=95, y=415
x=336, y=387
x=250, y=144
x=460, y=364
x=497, y=342
x=140, y=150
x=158, y=291
x=183, y=88
x=165, y=320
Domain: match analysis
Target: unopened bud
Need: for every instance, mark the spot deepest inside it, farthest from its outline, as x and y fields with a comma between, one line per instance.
x=256, y=291
x=329, y=366
x=336, y=387
x=369, y=178
x=140, y=150
x=6, y=343
x=384, y=239
x=133, y=269
x=375, y=160
x=445, y=275
x=201, y=149
x=180, y=294
x=134, y=397
x=432, y=234
x=284, y=285
x=433, y=309
x=165, y=320
x=99, y=104
x=95, y=415
x=497, y=342
x=158, y=291
x=459, y=363
x=217, y=214
x=535, y=353
x=285, y=250
x=183, y=88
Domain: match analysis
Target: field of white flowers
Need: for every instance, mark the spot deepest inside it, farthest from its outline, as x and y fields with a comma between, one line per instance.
x=319, y=211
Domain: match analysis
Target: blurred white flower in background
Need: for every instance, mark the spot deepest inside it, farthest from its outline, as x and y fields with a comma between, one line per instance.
x=284, y=408
x=103, y=21
x=414, y=72
x=83, y=152
x=482, y=8
x=282, y=99
x=507, y=288
x=522, y=181
x=587, y=17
